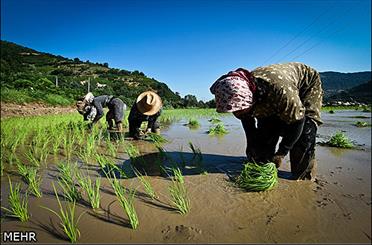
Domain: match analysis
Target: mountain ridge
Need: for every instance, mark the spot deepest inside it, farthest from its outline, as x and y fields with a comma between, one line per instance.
x=35, y=75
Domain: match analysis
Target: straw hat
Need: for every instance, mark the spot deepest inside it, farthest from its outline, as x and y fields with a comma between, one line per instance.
x=148, y=103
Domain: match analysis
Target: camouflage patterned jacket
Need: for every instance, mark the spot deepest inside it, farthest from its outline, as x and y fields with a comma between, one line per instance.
x=289, y=91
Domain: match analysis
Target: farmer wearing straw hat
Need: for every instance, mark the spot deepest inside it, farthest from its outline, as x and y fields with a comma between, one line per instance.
x=146, y=108
x=277, y=100
x=92, y=109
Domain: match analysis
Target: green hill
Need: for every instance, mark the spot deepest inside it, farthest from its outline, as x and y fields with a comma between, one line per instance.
x=28, y=75
x=361, y=93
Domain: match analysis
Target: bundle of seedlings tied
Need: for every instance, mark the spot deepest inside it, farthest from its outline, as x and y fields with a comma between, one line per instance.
x=219, y=129
x=258, y=177
x=340, y=140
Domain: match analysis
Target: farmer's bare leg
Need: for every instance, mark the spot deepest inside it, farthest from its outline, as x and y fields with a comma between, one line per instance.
x=109, y=119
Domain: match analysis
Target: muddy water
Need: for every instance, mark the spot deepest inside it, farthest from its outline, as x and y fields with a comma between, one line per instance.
x=336, y=208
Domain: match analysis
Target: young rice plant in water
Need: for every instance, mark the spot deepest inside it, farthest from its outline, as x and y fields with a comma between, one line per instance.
x=178, y=193
x=18, y=206
x=67, y=217
x=146, y=184
x=126, y=200
x=91, y=189
x=258, y=177
x=66, y=181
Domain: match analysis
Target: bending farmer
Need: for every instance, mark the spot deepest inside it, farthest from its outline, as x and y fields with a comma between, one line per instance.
x=277, y=100
x=146, y=108
x=92, y=109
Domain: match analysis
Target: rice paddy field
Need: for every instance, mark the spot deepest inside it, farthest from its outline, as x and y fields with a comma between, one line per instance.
x=67, y=183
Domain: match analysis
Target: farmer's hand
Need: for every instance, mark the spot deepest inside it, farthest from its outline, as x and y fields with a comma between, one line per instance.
x=278, y=159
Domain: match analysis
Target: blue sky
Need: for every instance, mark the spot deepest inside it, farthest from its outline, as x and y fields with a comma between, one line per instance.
x=188, y=44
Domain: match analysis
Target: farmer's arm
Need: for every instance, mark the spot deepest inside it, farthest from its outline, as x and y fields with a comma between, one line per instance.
x=98, y=106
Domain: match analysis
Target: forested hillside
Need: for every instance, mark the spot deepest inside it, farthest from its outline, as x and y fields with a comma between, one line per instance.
x=28, y=75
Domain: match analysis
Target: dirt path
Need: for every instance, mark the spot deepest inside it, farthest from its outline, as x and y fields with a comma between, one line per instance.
x=31, y=109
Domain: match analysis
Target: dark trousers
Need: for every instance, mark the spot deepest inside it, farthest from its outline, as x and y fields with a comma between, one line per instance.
x=135, y=125
x=116, y=111
x=263, y=135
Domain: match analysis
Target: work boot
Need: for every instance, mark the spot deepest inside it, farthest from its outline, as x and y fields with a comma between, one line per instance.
x=119, y=127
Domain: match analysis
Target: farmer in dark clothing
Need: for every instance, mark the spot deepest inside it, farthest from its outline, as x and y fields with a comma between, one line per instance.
x=146, y=108
x=92, y=109
x=277, y=100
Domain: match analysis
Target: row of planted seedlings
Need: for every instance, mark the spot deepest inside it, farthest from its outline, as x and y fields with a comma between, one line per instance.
x=40, y=144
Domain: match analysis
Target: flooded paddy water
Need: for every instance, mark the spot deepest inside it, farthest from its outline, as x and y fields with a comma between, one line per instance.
x=336, y=208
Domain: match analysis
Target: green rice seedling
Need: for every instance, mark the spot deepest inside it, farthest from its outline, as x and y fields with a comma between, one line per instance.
x=34, y=161
x=132, y=150
x=178, y=193
x=66, y=181
x=56, y=143
x=193, y=123
x=258, y=177
x=215, y=120
x=197, y=155
x=69, y=146
x=178, y=175
x=91, y=145
x=219, y=129
x=91, y=189
x=34, y=182
x=156, y=138
x=1, y=165
x=146, y=184
x=111, y=148
x=18, y=206
x=109, y=166
x=361, y=124
x=67, y=217
x=126, y=201
x=22, y=168
x=29, y=174
x=340, y=140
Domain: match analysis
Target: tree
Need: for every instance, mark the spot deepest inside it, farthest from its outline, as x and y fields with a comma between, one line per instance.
x=190, y=101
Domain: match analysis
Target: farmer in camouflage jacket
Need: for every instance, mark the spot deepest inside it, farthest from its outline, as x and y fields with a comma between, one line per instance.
x=277, y=100
x=92, y=109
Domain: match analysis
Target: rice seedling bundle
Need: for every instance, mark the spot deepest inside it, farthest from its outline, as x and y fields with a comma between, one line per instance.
x=18, y=206
x=258, y=177
x=340, y=140
x=219, y=129
x=193, y=122
x=157, y=139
